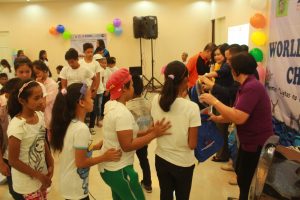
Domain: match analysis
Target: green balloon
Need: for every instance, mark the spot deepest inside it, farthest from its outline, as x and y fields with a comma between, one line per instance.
x=257, y=54
x=67, y=35
x=110, y=28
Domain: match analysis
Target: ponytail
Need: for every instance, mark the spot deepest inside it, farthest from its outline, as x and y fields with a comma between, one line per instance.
x=175, y=73
x=63, y=112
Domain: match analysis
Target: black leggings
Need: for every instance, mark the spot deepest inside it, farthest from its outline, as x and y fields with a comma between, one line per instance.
x=245, y=168
x=173, y=178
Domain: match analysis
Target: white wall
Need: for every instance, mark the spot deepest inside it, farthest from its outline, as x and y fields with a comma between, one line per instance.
x=183, y=26
x=237, y=12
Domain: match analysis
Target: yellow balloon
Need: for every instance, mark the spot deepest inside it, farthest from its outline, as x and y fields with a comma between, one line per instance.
x=259, y=38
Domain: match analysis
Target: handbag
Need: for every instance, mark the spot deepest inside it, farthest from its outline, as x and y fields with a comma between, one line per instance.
x=210, y=139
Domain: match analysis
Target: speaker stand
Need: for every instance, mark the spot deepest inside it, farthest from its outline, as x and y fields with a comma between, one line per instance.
x=150, y=87
x=141, y=54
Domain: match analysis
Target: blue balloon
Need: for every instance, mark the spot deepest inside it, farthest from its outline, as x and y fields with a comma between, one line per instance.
x=60, y=28
x=118, y=31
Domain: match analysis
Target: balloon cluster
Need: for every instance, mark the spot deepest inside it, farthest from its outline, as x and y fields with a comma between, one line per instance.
x=115, y=27
x=259, y=37
x=60, y=29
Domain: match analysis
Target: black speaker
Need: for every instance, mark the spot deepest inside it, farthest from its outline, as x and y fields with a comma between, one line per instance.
x=138, y=27
x=150, y=27
x=145, y=27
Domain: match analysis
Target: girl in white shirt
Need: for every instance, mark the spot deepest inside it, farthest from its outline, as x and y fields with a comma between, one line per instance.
x=174, y=160
x=71, y=137
x=29, y=154
x=7, y=69
x=120, y=131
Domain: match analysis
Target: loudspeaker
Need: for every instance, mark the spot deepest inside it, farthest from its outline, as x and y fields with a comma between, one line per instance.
x=145, y=27
x=138, y=27
x=150, y=27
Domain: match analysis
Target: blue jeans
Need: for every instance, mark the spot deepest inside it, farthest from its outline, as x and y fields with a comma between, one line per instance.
x=96, y=110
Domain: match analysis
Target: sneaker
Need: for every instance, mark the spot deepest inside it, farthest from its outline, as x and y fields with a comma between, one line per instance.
x=146, y=187
x=92, y=131
x=227, y=167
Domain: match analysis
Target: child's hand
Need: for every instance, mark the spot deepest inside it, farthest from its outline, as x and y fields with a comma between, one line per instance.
x=45, y=180
x=112, y=155
x=97, y=146
x=160, y=128
x=4, y=169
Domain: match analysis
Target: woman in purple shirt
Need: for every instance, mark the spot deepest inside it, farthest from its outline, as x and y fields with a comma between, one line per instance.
x=251, y=113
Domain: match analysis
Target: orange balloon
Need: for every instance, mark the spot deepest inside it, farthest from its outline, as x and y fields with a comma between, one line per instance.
x=53, y=31
x=258, y=21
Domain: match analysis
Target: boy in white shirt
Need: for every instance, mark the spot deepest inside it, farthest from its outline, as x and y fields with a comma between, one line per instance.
x=94, y=66
x=74, y=73
x=111, y=63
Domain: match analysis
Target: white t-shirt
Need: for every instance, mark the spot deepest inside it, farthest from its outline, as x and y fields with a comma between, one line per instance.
x=93, y=66
x=79, y=75
x=106, y=76
x=32, y=152
x=113, y=69
x=182, y=115
x=117, y=118
x=74, y=181
x=11, y=74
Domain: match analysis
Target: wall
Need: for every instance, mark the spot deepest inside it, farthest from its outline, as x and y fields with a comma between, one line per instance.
x=183, y=26
x=237, y=12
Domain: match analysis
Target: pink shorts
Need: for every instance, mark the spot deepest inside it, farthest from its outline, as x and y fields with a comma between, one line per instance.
x=38, y=195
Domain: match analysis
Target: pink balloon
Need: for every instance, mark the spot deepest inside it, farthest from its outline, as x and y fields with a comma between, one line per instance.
x=261, y=72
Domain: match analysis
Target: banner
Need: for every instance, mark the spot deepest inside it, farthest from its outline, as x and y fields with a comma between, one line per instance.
x=78, y=40
x=283, y=67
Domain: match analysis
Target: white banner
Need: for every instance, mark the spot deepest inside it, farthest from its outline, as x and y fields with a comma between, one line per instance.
x=78, y=40
x=283, y=79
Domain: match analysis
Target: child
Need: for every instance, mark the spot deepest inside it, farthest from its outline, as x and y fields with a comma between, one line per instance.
x=58, y=70
x=3, y=79
x=120, y=131
x=94, y=66
x=140, y=109
x=71, y=137
x=5, y=168
x=100, y=49
x=29, y=154
x=23, y=68
x=103, y=78
x=111, y=63
x=41, y=72
x=7, y=69
x=74, y=73
x=174, y=160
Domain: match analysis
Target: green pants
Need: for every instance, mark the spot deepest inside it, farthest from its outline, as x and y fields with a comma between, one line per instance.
x=124, y=184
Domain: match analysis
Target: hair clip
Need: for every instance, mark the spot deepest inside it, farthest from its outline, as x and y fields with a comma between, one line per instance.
x=83, y=90
x=171, y=76
x=23, y=87
x=64, y=91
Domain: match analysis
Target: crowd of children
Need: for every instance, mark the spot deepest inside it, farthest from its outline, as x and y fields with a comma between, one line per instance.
x=38, y=114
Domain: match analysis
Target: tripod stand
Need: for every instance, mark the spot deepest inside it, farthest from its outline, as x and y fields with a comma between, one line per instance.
x=150, y=87
x=141, y=54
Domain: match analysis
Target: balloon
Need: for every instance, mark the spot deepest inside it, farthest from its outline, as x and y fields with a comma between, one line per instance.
x=118, y=31
x=110, y=28
x=258, y=4
x=67, y=35
x=261, y=72
x=53, y=31
x=259, y=38
x=258, y=21
x=257, y=54
x=60, y=28
x=117, y=22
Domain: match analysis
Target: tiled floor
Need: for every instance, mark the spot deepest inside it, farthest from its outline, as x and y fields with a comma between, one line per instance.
x=209, y=181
